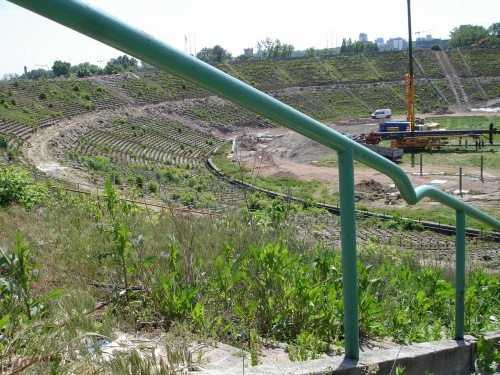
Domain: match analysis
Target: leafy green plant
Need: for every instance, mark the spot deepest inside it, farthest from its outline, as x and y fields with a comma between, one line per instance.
x=16, y=287
x=488, y=352
x=16, y=186
x=121, y=252
x=174, y=298
x=306, y=346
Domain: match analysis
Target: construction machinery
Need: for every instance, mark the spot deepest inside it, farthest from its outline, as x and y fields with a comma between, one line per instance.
x=414, y=141
x=422, y=137
x=481, y=42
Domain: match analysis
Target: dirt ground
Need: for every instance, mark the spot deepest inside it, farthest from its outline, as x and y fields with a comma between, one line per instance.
x=279, y=153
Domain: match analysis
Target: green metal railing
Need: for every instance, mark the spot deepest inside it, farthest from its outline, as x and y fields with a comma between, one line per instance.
x=105, y=28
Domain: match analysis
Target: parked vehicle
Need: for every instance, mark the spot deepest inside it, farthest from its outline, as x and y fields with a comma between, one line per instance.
x=382, y=113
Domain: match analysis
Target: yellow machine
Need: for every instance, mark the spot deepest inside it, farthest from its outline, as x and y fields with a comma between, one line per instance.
x=414, y=141
x=481, y=42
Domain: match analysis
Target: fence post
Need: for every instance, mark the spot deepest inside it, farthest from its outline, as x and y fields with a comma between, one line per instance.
x=460, y=182
x=460, y=276
x=482, y=164
x=421, y=165
x=348, y=242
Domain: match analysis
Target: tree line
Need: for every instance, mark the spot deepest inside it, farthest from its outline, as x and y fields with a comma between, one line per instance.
x=65, y=69
x=267, y=49
x=468, y=35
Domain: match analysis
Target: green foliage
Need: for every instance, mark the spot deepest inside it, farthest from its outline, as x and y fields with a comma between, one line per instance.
x=15, y=289
x=61, y=68
x=306, y=346
x=97, y=163
x=466, y=35
x=16, y=186
x=488, y=353
x=348, y=46
x=214, y=55
x=85, y=70
x=269, y=49
x=405, y=225
x=124, y=61
x=4, y=141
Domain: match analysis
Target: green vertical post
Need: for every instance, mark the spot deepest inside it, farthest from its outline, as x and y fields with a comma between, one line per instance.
x=460, y=276
x=349, y=260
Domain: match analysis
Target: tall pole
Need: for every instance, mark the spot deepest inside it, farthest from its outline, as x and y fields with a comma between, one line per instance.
x=410, y=84
x=410, y=46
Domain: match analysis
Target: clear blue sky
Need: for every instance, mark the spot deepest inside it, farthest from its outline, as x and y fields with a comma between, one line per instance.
x=28, y=39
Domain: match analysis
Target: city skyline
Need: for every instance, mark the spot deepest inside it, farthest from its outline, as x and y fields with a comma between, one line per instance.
x=36, y=42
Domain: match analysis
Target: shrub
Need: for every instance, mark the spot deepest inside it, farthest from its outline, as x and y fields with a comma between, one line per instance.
x=139, y=180
x=42, y=96
x=153, y=186
x=16, y=186
x=98, y=163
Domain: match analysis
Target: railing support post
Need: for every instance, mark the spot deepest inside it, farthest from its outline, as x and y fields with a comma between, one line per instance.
x=349, y=261
x=460, y=276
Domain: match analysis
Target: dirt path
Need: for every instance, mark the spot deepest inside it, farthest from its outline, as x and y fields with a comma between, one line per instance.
x=282, y=154
x=41, y=156
x=278, y=153
x=452, y=77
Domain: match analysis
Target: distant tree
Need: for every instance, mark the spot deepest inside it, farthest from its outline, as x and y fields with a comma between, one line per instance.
x=466, y=35
x=214, y=55
x=39, y=73
x=111, y=68
x=436, y=47
x=125, y=61
x=312, y=52
x=348, y=46
x=271, y=49
x=494, y=30
x=371, y=47
x=85, y=69
x=494, y=33
x=61, y=68
x=244, y=57
x=9, y=76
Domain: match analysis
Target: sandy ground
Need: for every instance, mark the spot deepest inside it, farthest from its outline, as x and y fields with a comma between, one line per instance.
x=279, y=153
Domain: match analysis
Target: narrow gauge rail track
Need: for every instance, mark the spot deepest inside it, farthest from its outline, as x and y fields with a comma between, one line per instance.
x=435, y=227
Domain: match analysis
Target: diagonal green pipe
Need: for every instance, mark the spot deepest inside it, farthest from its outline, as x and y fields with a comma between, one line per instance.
x=105, y=28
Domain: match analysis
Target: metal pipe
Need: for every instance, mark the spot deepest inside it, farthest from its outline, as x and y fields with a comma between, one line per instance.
x=349, y=260
x=460, y=276
x=105, y=28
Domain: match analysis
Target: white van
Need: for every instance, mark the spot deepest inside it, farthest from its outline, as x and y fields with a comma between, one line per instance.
x=382, y=113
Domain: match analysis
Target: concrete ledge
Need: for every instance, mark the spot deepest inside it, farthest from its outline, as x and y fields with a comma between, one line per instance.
x=446, y=357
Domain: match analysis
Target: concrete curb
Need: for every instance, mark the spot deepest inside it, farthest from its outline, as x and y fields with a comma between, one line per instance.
x=446, y=357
